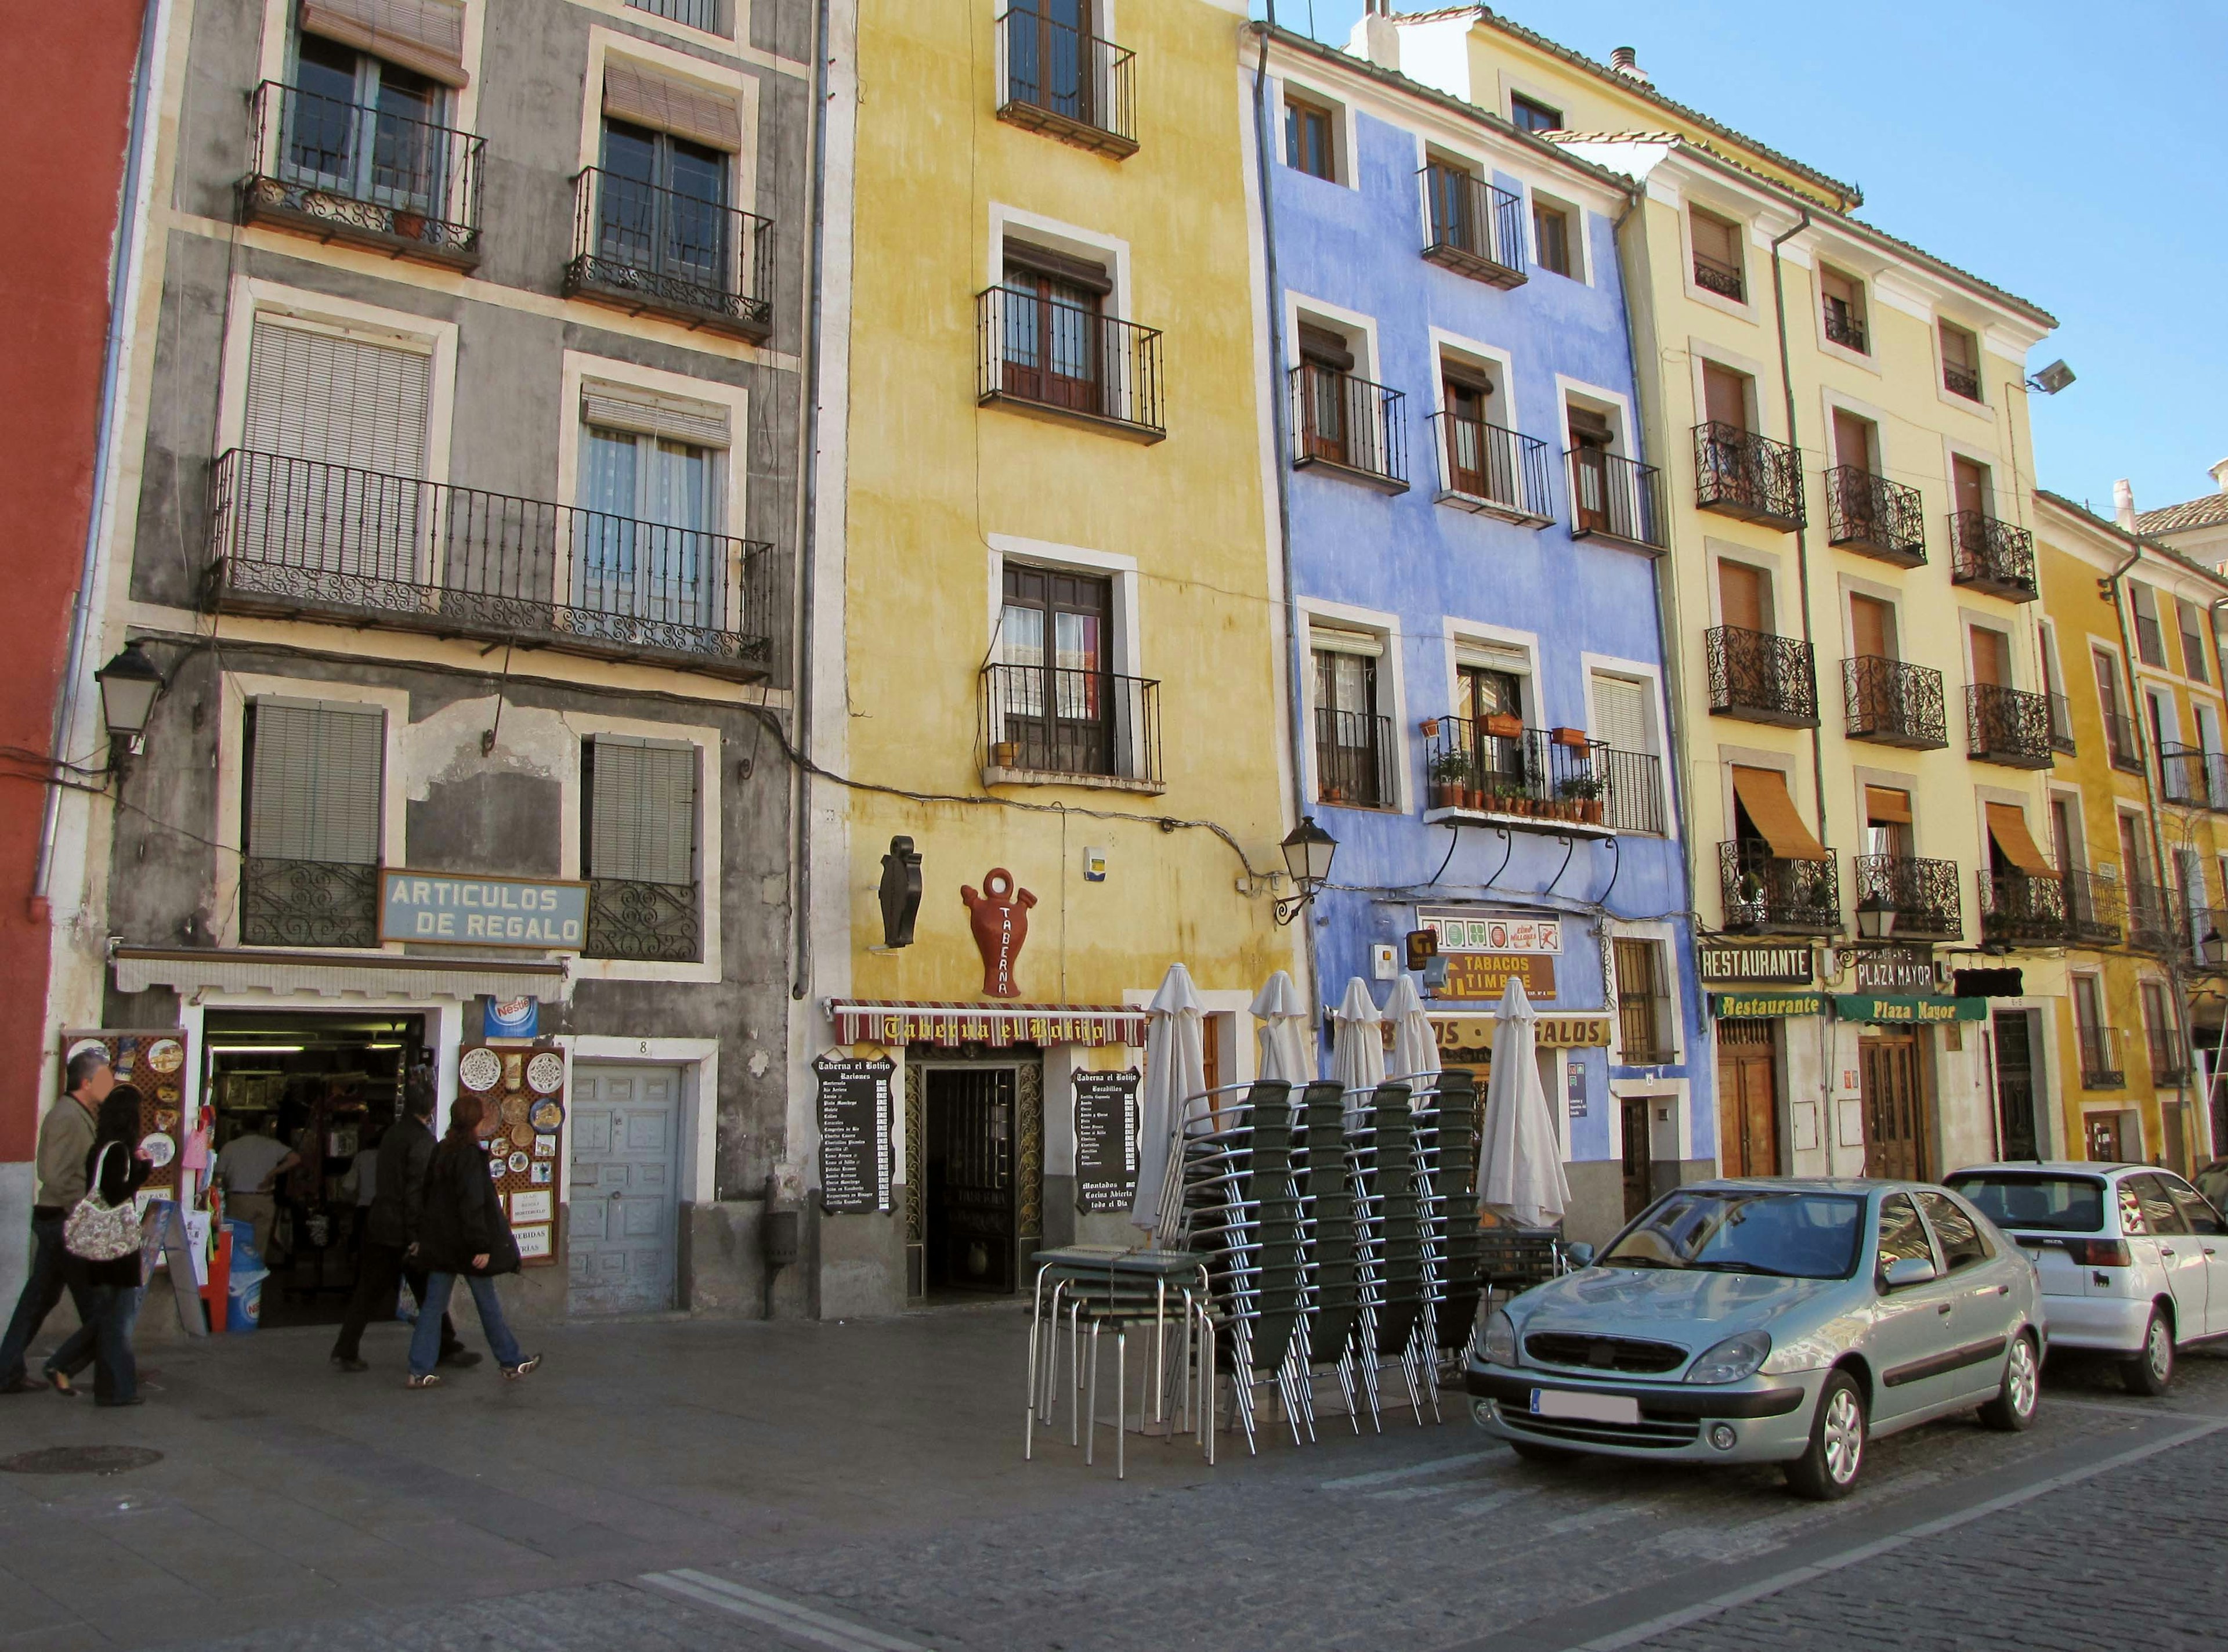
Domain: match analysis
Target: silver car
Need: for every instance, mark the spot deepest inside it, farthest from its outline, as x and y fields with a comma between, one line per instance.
x=1770, y=1322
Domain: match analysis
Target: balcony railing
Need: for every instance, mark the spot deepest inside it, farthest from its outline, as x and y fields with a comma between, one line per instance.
x=1534, y=777
x=2169, y=1059
x=1348, y=424
x=300, y=538
x=1043, y=354
x=1761, y=678
x=2123, y=742
x=1354, y=755
x=1961, y=381
x=1048, y=723
x=2194, y=778
x=1894, y=702
x=2151, y=924
x=2150, y=641
x=1875, y=516
x=343, y=171
x=660, y=923
x=1715, y=275
x=1993, y=556
x=1741, y=474
x=2103, y=1060
x=1844, y=328
x=2094, y=908
x=648, y=250
x=1068, y=85
x=307, y=903
x=1923, y=894
x=705, y=15
x=2022, y=908
x=1485, y=468
x=1614, y=497
x=2061, y=725
x=1474, y=227
x=2008, y=726
x=1763, y=892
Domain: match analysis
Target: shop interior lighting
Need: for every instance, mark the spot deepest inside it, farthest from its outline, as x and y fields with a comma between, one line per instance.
x=255, y=1049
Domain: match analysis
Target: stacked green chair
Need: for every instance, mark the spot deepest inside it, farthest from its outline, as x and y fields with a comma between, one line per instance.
x=1330, y=1263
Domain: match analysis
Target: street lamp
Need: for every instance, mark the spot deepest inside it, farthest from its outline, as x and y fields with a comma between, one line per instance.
x=1308, y=852
x=129, y=686
x=1875, y=917
x=2212, y=949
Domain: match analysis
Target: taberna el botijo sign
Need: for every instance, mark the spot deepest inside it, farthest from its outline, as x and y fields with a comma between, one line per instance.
x=456, y=909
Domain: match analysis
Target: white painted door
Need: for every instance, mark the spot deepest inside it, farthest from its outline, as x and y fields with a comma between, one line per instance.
x=627, y=1166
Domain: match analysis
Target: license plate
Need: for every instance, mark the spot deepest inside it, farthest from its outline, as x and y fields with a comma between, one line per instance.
x=1585, y=1407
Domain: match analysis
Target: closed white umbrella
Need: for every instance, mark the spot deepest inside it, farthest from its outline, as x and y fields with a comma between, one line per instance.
x=1282, y=1011
x=1415, y=1046
x=1176, y=1067
x=1521, y=1174
x=1357, y=1047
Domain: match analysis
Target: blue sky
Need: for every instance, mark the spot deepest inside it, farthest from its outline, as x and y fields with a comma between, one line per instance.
x=2063, y=154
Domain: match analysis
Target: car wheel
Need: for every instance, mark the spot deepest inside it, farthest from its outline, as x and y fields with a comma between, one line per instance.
x=2151, y=1372
x=1545, y=1456
x=2013, y=1407
x=1829, y=1466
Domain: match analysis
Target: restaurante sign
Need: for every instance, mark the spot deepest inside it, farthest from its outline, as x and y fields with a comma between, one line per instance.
x=1754, y=966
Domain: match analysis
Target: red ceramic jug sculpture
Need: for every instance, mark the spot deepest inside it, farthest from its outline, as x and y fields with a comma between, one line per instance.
x=1000, y=918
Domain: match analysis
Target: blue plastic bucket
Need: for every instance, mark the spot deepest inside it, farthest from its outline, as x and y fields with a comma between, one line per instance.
x=244, y=1307
x=245, y=1259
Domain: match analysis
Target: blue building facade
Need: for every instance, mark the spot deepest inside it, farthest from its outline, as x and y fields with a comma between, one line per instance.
x=1473, y=542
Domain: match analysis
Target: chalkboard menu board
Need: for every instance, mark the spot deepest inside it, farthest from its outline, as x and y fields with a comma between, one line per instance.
x=854, y=1134
x=1105, y=1140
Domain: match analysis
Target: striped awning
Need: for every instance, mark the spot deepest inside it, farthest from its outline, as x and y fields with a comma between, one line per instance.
x=867, y=1020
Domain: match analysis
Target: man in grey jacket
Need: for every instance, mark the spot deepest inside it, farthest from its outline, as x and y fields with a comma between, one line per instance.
x=383, y=1260
x=65, y=1139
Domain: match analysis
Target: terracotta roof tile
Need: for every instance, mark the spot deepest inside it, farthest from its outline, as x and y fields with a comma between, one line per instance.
x=2211, y=511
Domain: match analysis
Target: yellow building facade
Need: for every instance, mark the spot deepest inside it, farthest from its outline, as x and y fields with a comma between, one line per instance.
x=1050, y=588
x=2139, y=825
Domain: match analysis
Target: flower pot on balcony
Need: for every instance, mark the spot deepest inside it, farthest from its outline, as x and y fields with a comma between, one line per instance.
x=410, y=226
x=1448, y=797
x=1430, y=726
x=1571, y=739
x=1005, y=754
x=1503, y=726
x=1590, y=810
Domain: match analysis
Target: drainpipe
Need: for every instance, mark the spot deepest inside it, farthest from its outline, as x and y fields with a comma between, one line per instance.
x=81, y=631
x=808, y=445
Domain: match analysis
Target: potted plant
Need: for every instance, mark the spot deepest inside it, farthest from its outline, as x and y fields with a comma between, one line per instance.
x=1504, y=725
x=1450, y=770
x=1584, y=793
x=1005, y=753
x=1572, y=739
x=1431, y=727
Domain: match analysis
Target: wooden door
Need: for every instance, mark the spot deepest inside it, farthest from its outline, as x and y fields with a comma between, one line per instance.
x=1991, y=657
x=1894, y=1106
x=1872, y=628
x=1743, y=597
x=1853, y=440
x=1054, y=641
x=1637, y=1182
x=972, y=1211
x=2016, y=1124
x=1724, y=396
x=1748, y=1099
x=1969, y=485
x=1470, y=465
x=2103, y=1130
x=622, y=1240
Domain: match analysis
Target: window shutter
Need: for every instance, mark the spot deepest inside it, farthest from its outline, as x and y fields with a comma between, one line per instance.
x=340, y=401
x=650, y=100
x=427, y=35
x=613, y=407
x=1326, y=640
x=643, y=817
x=1089, y=274
x=1323, y=347
x=1621, y=715
x=314, y=788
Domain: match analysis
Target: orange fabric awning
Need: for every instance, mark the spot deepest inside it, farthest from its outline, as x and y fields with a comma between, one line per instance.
x=1763, y=792
x=2008, y=825
x=1885, y=804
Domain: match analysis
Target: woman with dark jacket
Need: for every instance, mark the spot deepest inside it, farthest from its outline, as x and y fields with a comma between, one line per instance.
x=114, y=1169
x=462, y=1233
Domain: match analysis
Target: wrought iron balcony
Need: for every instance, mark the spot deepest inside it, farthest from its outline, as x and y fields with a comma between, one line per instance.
x=2061, y=725
x=1538, y=779
x=344, y=171
x=2022, y=908
x=2194, y=778
x=1476, y=227
x=2123, y=742
x=1874, y=517
x=1354, y=754
x=696, y=13
x=2169, y=1057
x=1715, y=275
x=1923, y=894
x=1046, y=725
x=1993, y=556
x=307, y=903
x=2104, y=1058
x=1843, y=328
x=652, y=250
x=660, y=923
x=2094, y=908
x=1043, y=356
x=1349, y=426
x=2008, y=726
x=1068, y=85
x=1484, y=468
x=1741, y=474
x=1617, y=498
x=1961, y=381
x=2151, y=922
x=1763, y=892
x=1761, y=678
x=302, y=539
x=1894, y=702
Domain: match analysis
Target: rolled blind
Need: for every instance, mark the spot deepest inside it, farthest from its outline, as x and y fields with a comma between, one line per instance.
x=650, y=99
x=340, y=401
x=313, y=785
x=1763, y=793
x=427, y=35
x=612, y=406
x=642, y=821
x=1885, y=806
x=1621, y=715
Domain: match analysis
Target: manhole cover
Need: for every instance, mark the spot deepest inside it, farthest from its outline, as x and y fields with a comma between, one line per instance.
x=81, y=1459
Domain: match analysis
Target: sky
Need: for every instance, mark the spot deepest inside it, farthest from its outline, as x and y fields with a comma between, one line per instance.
x=2061, y=153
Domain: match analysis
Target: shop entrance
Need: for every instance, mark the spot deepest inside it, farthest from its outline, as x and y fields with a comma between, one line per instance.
x=621, y=1237
x=323, y=1088
x=1748, y=1097
x=1638, y=1188
x=970, y=1204
x=1895, y=1106
x=2015, y=1086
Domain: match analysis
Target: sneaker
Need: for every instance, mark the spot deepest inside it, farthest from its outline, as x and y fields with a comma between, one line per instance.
x=524, y=1368
x=461, y=1359
x=349, y=1365
x=429, y=1380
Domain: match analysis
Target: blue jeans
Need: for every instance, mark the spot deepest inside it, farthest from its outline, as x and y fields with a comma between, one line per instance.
x=426, y=1341
x=42, y=1291
x=115, y=1311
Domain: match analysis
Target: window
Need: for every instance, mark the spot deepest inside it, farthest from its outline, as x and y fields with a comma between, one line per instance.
x=1309, y=145
x=1486, y=697
x=1843, y=298
x=1902, y=1236
x=1887, y=822
x=1551, y=236
x=366, y=128
x=1480, y=461
x=1352, y=740
x=1856, y=442
x=1643, y=1004
x=1971, y=489
x=312, y=828
x=2119, y=734
x=1872, y=628
x=1603, y=494
x=1532, y=115
x=1343, y=419
x=1726, y=397
x=652, y=476
x=1719, y=266
x=638, y=850
x=1743, y=597
x=1053, y=337
x=696, y=13
x=1992, y=656
x=2159, y=1033
x=2193, y=639
x=2150, y=635
x=2197, y=1215
x=663, y=210
x=1621, y=715
x=1056, y=694
x=1961, y=362
x=1955, y=1231
x=2160, y=1215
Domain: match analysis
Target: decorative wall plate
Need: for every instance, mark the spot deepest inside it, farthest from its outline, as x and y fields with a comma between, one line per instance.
x=521, y=1135
x=514, y=1109
x=545, y=1073
x=519, y=1162
x=548, y=1115
x=166, y=1055
x=480, y=1070
x=159, y=1149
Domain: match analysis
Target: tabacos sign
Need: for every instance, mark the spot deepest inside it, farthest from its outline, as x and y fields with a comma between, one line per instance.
x=445, y=909
x=1485, y=951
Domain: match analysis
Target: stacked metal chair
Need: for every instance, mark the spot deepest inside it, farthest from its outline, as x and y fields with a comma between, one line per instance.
x=1329, y=1249
x=1455, y=1147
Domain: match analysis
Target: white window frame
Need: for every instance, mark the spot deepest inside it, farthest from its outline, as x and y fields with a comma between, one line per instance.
x=276, y=57
x=1125, y=636
x=1848, y=268
x=1055, y=235
x=1582, y=264
x=1744, y=229
x=1983, y=408
x=1392, y=688
x=718, y=80
x=581, y=726
x=1343, y=134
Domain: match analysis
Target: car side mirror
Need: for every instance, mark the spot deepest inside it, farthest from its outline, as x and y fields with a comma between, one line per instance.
x=1581, y=1254
x=1906, y=1271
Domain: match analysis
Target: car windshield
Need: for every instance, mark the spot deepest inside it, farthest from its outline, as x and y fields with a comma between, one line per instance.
x=1747, y=1230
x=2035, y=1201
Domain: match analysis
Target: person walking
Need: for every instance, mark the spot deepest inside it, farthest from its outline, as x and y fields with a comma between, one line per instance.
x=65, y=1135
x=463, y=1233
x=115, y=1166
x=390, y=1229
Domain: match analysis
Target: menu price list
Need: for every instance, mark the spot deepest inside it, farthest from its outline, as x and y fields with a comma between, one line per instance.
x=1105, y=1140
x=854, y=1134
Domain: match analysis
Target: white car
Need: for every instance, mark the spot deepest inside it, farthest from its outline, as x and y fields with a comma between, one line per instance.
x=2133, y=1260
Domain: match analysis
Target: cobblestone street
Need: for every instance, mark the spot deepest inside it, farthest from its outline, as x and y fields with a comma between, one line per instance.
x=861, y=1486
